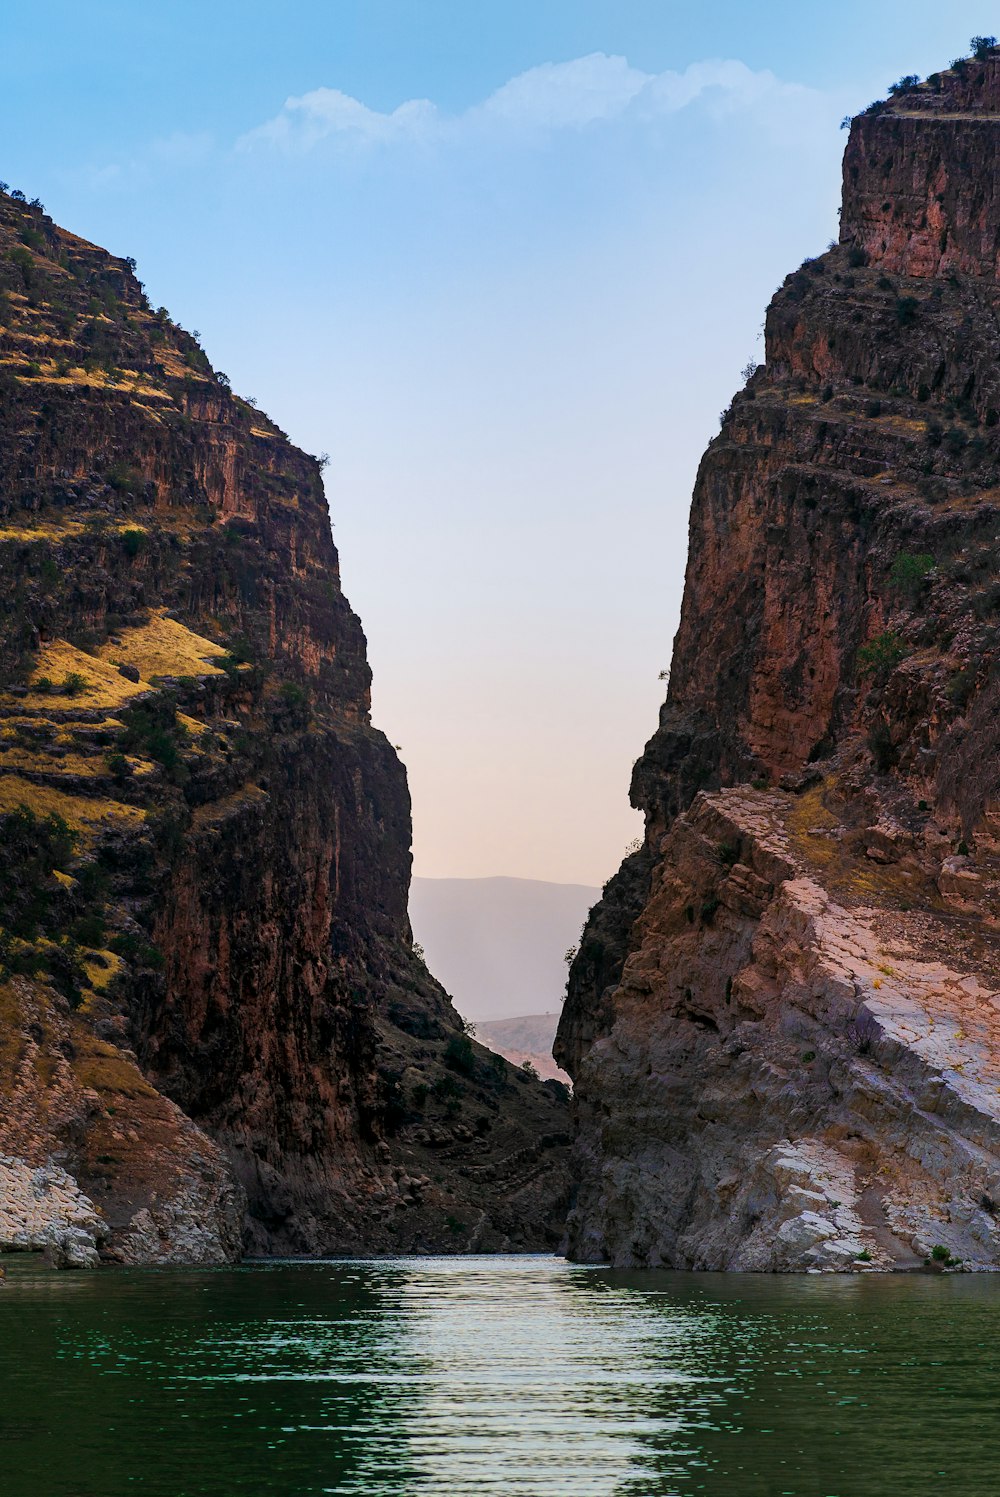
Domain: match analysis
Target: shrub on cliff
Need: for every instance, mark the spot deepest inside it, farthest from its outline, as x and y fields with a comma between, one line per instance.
x=153, y=732
x=909, y=573
x=880, y=656
x=34, y=846
x=883, y=750
x=459, y=1055
x=906, y=310
x=982, y=46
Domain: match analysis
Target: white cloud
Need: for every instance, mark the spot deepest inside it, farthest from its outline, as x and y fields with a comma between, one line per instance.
x=560, y=95
x=307, y=119
x=554, y=96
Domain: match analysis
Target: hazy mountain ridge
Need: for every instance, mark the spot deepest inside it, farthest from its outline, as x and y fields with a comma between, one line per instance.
x=499, y=944
x=525, y=1038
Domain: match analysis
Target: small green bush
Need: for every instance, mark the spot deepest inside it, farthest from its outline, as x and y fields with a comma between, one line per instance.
x=881, y=655
x=124, y=478
x=961, y=686
x=118, y=766
x=134, y=542
x=909, y=572
x=883, y=750
x=459, y=1055
x=88, y=930
x=33, y=847
x=907, y=308
x=153, y=732
x=137, y=950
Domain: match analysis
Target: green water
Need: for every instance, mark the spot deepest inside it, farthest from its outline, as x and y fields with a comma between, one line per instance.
x=527, y=1377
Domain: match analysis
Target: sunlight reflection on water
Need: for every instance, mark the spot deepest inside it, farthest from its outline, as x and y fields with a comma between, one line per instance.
x=525, y=1376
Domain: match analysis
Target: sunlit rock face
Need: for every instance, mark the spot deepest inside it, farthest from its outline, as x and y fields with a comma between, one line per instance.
x=784, y=1020
x=211, y=1015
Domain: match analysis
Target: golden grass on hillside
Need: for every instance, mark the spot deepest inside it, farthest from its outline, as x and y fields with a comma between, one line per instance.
x=81, y=812
x=230, y=805
x=101, y=967
x=102, y=685
x=45, y=532
x=164, y=647
x=193, y=726
x=38, y=759
x=104, y=1068
x=10, y=726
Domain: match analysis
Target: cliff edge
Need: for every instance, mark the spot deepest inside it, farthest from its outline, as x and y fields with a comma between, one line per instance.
x=783, y=1024
x=214, y=1031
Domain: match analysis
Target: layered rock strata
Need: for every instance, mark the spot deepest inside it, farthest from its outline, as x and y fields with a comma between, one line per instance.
x=212, y=1018
x=783, y=1025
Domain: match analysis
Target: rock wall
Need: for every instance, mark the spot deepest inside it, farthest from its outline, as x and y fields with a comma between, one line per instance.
x=782, y=1024
x=211, y=1015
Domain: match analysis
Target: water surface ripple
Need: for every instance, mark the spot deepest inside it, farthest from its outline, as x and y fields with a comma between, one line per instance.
x=521, y=1376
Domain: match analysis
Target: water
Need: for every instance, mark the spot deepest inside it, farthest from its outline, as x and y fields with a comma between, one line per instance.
x=527, y=1377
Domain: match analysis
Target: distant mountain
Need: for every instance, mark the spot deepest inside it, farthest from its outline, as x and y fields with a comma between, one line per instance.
x=528, y=1037
x=499, y=944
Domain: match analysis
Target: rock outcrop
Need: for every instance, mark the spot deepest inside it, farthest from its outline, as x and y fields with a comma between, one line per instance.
x=212, y=1019
x=783, y=1024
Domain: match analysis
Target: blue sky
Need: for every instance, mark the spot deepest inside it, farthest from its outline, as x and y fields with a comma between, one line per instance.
x=503, y=261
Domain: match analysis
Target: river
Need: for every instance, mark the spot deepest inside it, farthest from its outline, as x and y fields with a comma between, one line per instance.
x=520, y=1376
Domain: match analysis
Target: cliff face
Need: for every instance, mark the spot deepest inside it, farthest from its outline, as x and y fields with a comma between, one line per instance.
x=784, y=1020
x=212, y=1021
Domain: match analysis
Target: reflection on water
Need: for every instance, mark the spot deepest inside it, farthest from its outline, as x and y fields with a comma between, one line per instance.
x=523, y=1376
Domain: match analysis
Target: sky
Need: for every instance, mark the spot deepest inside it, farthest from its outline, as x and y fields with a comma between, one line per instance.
x=502, y=260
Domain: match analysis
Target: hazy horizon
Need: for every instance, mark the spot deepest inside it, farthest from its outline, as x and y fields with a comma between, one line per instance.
x=499, y=944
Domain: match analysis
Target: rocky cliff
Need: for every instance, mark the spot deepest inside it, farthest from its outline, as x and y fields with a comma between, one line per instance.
x=784, y=1021
x=214, y=1031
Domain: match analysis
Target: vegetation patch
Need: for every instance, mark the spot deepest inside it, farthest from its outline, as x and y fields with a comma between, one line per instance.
x=65, y=673
x=165, y=647
x=909, y=573
x=881, y=655
x=80, y=812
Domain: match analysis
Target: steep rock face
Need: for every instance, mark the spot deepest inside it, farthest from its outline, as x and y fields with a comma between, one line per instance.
x=782, y=1024
x=211, y=1016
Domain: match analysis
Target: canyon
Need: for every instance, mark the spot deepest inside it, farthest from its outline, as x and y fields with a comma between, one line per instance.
x=216, y=1036
x=783, y=1022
